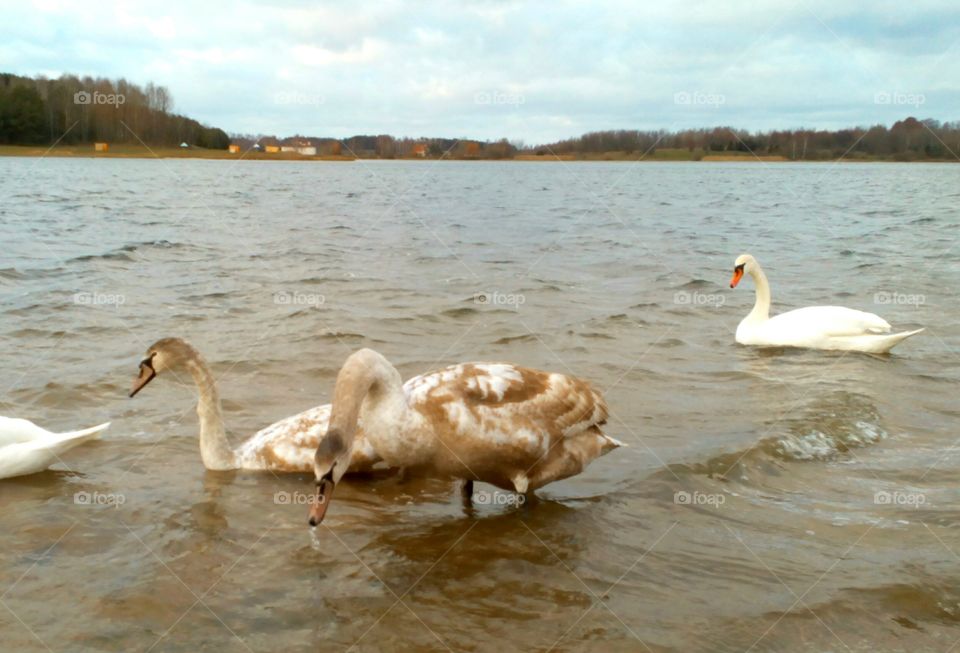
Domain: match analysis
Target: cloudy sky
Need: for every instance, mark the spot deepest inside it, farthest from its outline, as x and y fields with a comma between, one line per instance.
x=531, y=71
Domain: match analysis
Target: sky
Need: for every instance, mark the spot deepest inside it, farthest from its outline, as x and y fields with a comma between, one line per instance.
x=534, y=72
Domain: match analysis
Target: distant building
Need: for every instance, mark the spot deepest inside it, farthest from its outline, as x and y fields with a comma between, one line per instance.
x=287, y=148
x=419, y=149
x=272, y=149
x=101, y=147
x=307, y=150
x=233, y=149
x=184, y=145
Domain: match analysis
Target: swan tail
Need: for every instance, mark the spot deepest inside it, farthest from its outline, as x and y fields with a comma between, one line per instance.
x=609, y=444
x=883, y=344
x=60, y=442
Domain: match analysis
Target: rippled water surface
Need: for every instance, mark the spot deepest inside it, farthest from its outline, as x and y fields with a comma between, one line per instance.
x=768, y=501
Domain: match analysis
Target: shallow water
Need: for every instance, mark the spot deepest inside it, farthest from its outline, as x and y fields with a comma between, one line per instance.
x=768, y=501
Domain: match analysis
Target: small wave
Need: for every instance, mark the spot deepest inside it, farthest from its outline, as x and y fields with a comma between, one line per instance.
x=462, y=311
x=506, y=340
x=817, y=445
x=115, y=255
x=123, y=253
x=698, y=283
x=828, y=428
x=341, y=335
x=11, y=273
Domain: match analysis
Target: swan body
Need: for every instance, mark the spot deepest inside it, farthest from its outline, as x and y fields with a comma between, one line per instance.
x=26, y=448
x=513, y=427
x=814, y=327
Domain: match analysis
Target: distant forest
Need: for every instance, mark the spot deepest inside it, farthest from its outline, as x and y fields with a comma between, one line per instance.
x=39, y=111
x=906, y=140
x=72, y=110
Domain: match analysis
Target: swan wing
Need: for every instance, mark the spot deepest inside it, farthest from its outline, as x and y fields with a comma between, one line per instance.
x=500, y=405
x=14, y=430
x=286, y=445
x=829, y=321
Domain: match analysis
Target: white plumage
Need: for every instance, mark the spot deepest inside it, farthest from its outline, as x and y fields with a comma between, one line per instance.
x=814, y=327
x=26, y=448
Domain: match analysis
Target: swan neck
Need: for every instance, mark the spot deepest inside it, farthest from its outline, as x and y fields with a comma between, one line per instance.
x=215, y=450
x=761, y=308
x=367, y=382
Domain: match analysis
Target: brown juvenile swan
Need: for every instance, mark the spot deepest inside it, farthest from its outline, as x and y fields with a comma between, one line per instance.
x=510, y=426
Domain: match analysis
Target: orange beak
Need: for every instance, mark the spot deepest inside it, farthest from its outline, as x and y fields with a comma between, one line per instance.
x=737, y=275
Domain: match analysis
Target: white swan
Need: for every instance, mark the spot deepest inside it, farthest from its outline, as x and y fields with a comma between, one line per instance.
x=25, y=448
x=814, y=327
x=285, y=446
x=509, y=426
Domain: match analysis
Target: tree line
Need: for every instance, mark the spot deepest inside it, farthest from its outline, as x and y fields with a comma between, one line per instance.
x=71, y=110
x=907, y=140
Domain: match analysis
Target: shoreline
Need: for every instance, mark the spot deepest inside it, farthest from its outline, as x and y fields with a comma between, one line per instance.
x=659, y=156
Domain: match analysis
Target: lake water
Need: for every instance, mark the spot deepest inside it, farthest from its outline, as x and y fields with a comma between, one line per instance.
x=768, y=501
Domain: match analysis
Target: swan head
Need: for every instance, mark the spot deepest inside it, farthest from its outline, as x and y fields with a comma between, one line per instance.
x=745, y=264
x=329, y=465
x=165, y=354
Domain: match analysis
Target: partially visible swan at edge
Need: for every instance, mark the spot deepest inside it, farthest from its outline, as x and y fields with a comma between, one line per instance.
x=285, y=446
x=512, y=427
x=814, y=327
x=25, y=448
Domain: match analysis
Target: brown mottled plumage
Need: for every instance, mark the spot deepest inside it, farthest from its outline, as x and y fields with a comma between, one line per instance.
x=510, y=426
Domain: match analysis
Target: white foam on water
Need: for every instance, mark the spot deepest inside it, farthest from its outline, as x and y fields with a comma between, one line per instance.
x=817, y=445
